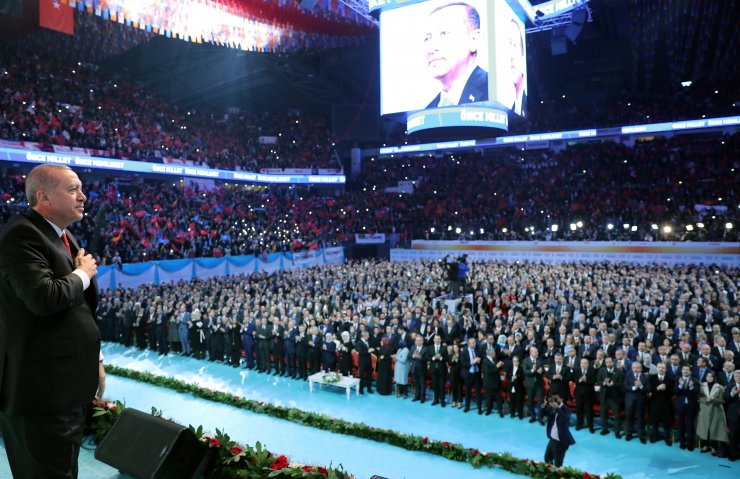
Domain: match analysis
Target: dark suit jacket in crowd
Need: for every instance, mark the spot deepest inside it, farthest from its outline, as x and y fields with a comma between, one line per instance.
x=49, y=341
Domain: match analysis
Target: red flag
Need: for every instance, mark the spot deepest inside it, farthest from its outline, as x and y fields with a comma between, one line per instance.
x=56, y=15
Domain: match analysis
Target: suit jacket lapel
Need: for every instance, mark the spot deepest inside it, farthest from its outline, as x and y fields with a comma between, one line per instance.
x=48, y=231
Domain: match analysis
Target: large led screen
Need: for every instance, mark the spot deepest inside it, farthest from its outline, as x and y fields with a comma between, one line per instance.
x=450, y=54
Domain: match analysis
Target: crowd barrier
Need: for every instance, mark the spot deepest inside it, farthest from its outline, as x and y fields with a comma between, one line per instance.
x=131, y=275
x=667, y=253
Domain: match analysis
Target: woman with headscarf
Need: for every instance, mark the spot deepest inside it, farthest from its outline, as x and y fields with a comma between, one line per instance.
x=401, y=372
x=345, y=354
x=711, y=425
x=383, y=366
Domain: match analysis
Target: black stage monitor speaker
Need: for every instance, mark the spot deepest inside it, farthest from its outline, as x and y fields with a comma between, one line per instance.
x=148, y=447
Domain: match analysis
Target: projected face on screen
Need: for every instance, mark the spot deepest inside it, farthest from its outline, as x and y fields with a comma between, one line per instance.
x=451, y=41
x=518, y=64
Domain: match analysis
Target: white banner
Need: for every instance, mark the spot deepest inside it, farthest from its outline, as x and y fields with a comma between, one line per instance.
x=247, y=269
x=376, y=238
x=669, y=253
x=268, y=140
x=204, y=272
x=334, y=255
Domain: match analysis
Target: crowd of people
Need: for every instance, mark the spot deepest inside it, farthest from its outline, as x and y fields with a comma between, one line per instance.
x=76, y=105
x=591, y=191
x=521, y=195
x=648, y=352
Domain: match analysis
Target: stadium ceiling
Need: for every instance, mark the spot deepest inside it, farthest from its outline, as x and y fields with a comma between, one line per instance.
x=203, y=75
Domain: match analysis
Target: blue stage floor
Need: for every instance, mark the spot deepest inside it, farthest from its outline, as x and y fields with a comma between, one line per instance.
x=593, y=453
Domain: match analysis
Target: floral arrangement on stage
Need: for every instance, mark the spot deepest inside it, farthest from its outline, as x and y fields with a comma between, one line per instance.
x=226, y=458
x=453, y=451
x=331, y=377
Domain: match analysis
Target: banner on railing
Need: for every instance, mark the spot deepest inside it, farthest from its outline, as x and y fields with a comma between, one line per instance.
x=370, y=238
x=670, y=253
x=158, y=272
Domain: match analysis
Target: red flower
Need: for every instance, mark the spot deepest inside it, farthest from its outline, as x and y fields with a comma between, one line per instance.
x=280, y=462
x=323, y=470
x=214, y=442
x=476, y=452
x=236, y=450
x=425, y=440
x=586, y=475
x=307, y=469
x=445, y=443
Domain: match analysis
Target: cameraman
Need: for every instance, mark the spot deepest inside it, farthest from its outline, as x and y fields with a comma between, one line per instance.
x=558, y=422
x=458, y=285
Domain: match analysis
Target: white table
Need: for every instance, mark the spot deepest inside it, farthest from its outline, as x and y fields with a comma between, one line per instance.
x=346, y=382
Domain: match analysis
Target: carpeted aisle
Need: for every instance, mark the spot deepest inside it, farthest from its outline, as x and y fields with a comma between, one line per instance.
x=488, y=433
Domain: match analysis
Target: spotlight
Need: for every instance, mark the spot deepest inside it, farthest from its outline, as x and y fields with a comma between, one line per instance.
x=554, y=228
x=667, y=229
x=573, y=226
x=610, y=226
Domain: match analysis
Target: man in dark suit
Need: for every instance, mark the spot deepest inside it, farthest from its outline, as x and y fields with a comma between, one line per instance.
x=611, y=393
x=364, y=363
x=534, y=383
x=558, y=422
x=419, y=368
x=732, y=402
x=492, y=382
x=584, y=377
x=470, y=370
x=636, y=390
x=686, y=406
x=438, y=369
x=515, y=386
x=315, y=346
x=49, y=341
x=451, y=43
x=661, y=407
x=559, y=375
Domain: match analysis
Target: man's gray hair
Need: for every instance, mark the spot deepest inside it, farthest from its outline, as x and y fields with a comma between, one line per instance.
x=40, y=178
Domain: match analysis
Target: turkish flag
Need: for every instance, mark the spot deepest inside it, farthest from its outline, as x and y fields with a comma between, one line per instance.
x=57, y=15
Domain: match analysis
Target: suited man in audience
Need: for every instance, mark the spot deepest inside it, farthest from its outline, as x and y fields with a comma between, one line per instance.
x=438, y=368
x=534, y=382
x=301, y=352
x=584, y=378
x=732, y=403
x=558, y=423
x=49, y=340
x=264, y=337
x=515, y=385
x=419, y=369
x=492, y=369
x=673, y=368
x=559, y=375
x=725, y=376
x=611, y=394
x=290, y=348
x=470, y=369
x=686, y=404
x=636, y=389
x=315, y=347
x=364, y=362
x=661, y=404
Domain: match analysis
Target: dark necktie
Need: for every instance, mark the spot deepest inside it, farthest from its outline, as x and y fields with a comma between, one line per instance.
x=66, y=242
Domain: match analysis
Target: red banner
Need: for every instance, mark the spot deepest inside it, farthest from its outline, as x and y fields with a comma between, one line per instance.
x=56, y=15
